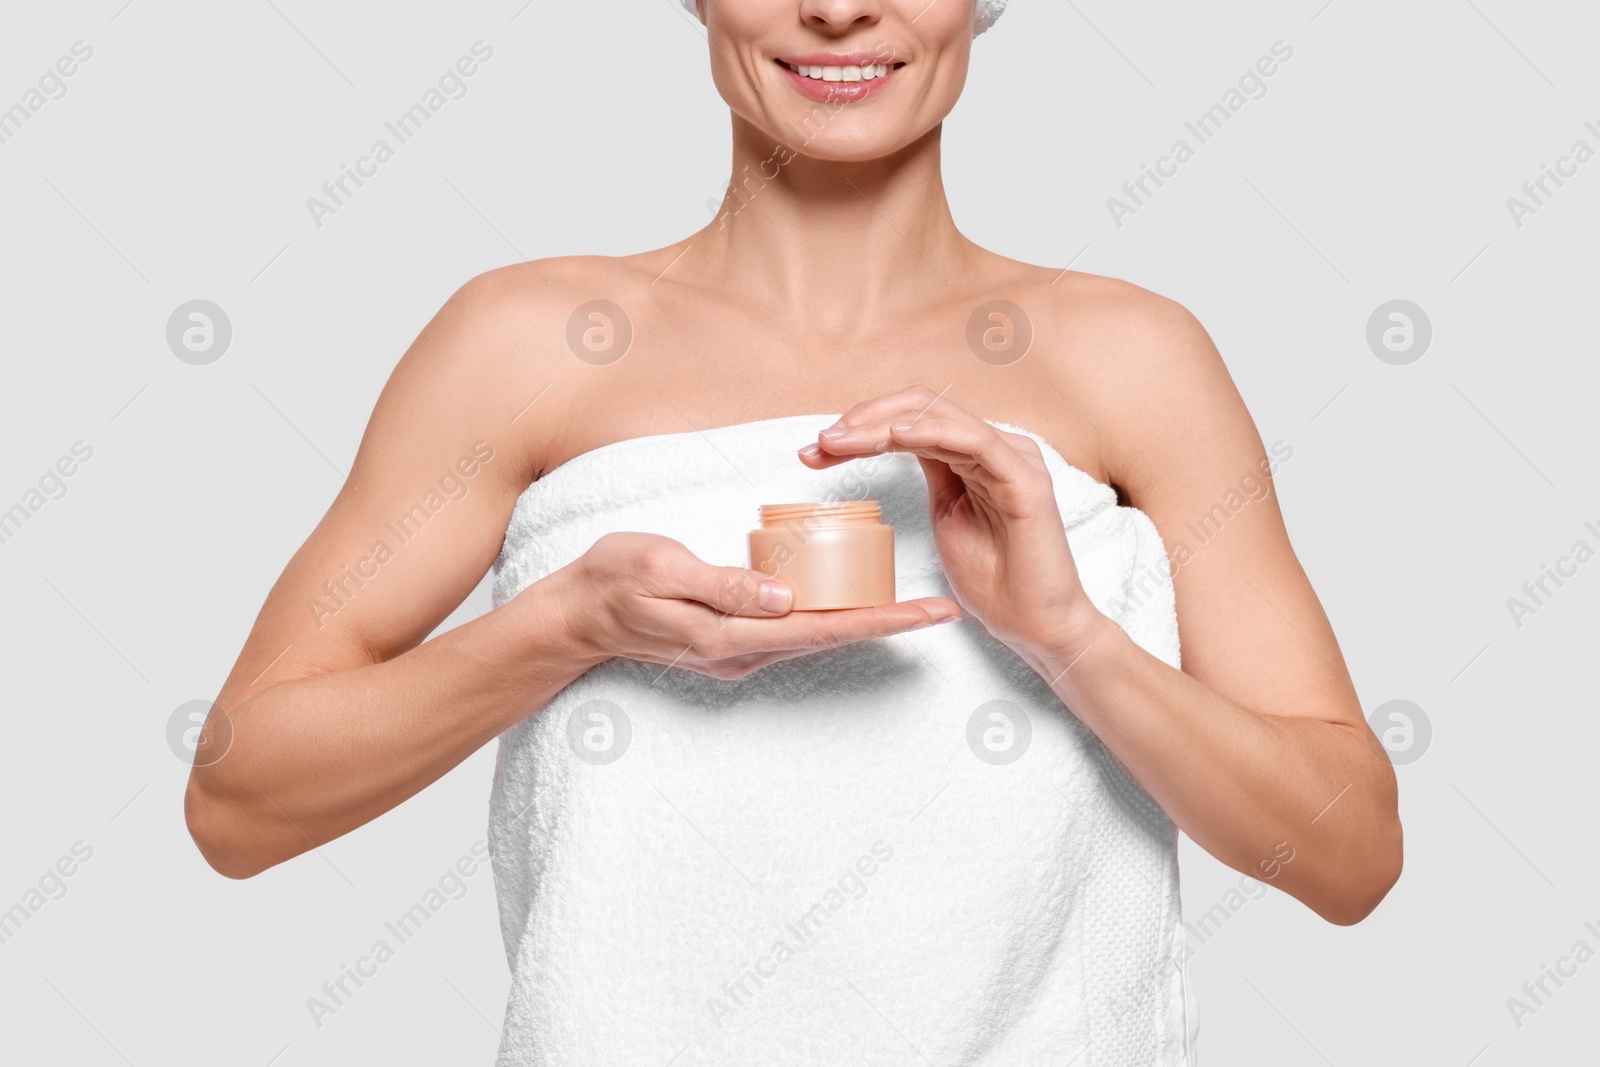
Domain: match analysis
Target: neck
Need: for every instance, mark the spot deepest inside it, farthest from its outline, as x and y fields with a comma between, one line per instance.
x=829, y=242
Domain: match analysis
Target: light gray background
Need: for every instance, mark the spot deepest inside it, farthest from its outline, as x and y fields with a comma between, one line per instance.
x=1419, y=497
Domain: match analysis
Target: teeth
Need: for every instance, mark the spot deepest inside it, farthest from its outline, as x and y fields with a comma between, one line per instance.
x=841, y=74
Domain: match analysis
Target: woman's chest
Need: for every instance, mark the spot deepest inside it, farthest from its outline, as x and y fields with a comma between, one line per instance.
x=673, y=380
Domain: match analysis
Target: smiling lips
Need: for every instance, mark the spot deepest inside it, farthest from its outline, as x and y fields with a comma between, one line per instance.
x=842, y=73
x=829, y=76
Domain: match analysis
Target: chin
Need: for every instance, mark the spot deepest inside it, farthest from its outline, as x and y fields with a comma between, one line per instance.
x=860, y=148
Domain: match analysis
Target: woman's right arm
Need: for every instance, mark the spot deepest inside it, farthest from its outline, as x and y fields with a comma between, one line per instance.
x=339, y=709
x=336, y=710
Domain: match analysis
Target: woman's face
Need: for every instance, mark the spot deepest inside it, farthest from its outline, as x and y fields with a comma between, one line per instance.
x=845, y=80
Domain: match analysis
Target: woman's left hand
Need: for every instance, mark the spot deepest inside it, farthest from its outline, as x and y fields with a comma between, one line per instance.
x=995, y=518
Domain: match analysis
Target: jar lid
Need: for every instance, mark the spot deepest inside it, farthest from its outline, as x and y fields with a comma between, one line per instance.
x=822, y=513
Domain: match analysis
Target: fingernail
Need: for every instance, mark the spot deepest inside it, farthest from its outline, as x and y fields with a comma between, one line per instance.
x=938, y=617
x=834, y=432
x=774, y=596
x=901, y=427
x=811, y=451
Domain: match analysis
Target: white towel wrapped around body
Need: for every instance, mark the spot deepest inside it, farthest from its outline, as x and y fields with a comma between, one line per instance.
x=908, y=841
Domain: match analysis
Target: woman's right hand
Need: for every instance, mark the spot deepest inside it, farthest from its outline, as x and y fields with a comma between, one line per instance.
x=646, y=597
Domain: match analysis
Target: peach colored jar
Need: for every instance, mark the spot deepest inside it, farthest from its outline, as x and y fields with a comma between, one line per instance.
x=832, y=555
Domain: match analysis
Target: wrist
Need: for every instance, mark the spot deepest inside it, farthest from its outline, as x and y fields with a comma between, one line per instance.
x=1055, y=650
x=566, y=620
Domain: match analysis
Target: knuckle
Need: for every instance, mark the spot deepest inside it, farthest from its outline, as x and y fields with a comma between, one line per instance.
x=820, y=640
x=607, y=548
x=656, y=559
x=713, y=644
x=735, y=590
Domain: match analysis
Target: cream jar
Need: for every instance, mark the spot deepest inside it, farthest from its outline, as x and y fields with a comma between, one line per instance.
x=830, y=555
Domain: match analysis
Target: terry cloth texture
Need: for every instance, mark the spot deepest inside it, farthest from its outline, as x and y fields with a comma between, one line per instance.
x=904, y=840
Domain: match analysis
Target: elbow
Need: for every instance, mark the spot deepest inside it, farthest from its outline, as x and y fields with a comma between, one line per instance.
x=1370, y=859
x=1379, y=866
x=213, y=824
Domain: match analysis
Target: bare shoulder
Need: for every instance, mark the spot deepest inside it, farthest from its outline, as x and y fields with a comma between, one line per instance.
x=1125, y=321
x=550, y=284
x=512, y=311
x=523, y=310
x=501, y=347
x=1143, y=369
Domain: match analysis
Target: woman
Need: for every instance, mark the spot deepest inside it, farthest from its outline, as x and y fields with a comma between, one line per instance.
x=731, y=832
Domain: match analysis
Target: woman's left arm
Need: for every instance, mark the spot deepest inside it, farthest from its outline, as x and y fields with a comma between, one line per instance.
x=1258, y=748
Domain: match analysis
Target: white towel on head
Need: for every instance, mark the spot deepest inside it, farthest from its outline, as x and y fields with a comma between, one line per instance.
x=842, y=853
x=983, y=16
